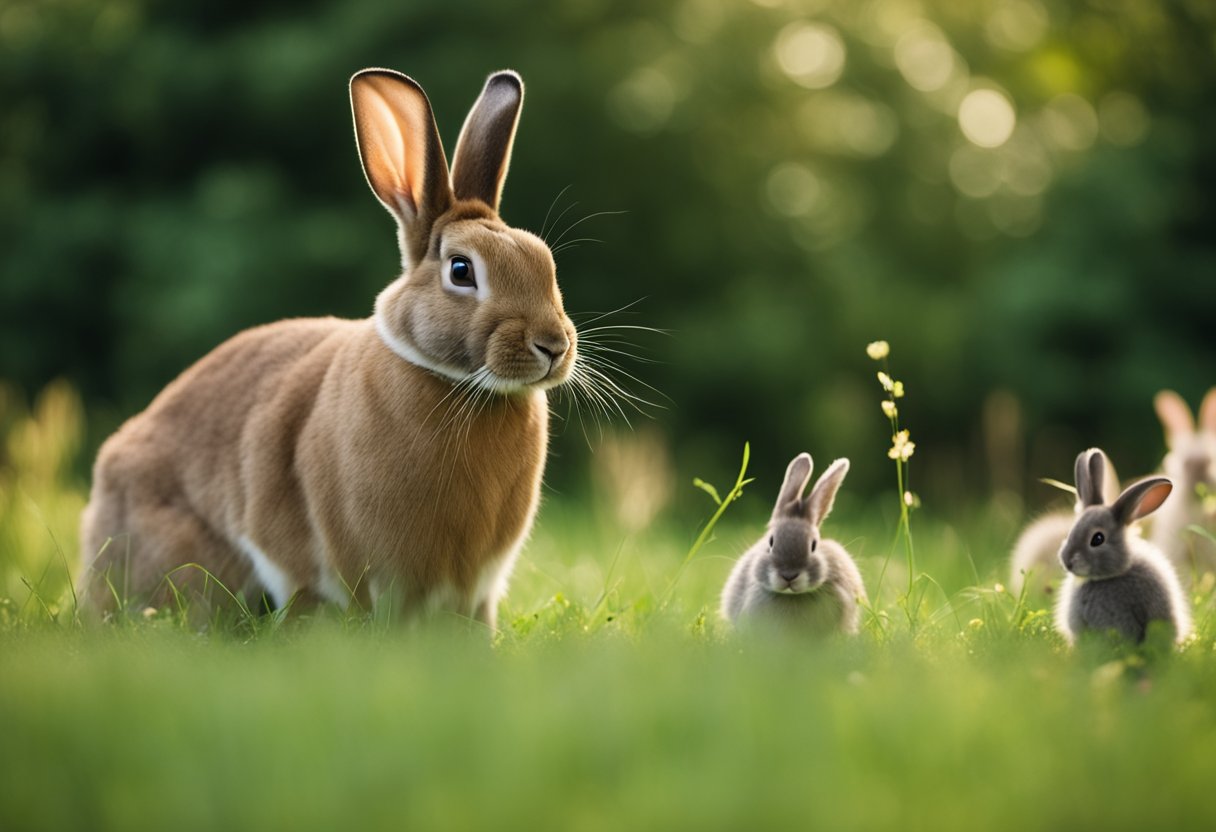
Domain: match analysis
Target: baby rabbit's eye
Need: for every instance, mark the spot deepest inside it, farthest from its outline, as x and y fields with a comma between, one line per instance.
x=770, y=541
x=460, y=272
x=814, y=543
x=1098, y=539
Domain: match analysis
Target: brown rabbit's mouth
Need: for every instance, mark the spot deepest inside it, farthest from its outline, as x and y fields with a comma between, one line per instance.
x=520, y=358
x=556, y=374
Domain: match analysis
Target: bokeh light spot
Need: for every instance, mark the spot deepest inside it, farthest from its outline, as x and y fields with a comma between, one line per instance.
x=1069, y=122
x=975, y=172
x=793, y=189
x=1027, y=168
x=839, y=122
x=1016, y=25
x=924, y=57
x=643, y=102
x=986, y=117
x=811, y=54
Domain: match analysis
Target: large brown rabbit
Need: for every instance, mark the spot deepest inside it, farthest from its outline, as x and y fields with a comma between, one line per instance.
x=326, y=459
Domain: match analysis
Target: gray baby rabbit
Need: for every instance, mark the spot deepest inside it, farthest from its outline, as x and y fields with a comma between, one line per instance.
x=791, y=577
x=1116, y=580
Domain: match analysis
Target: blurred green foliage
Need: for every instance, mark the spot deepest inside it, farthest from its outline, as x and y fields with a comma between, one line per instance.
x=1018, y=194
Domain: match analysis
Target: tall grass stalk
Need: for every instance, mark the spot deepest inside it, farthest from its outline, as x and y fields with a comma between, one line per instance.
x=707, y=530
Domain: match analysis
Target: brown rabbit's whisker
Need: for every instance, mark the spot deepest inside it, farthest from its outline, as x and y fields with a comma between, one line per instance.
x=452, y=398
x=602, y=404
x=599, y=316
x=458, y=408
x=545, y=224
x=558, y=219
x=608, y=366
x=572, y=393
x=599, y=349
x=598, y=380
x=635, y=327
x=457, y=390
x=569, y=244
x=621, y=347
x=456, y=428
x=619, y=394
x=557, y=243
x=606, y=408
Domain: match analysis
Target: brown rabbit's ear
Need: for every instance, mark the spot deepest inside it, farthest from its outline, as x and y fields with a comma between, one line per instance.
x=797, y=475
x=1090, y=474
x=1141, y=499
x=401, y=153
x=823, y=495
x=483, y=151
x=1174, y=414
x=1207, y=412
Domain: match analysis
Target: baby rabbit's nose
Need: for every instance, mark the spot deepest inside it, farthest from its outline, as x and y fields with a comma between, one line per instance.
x=787, y=576
x=1197, y=467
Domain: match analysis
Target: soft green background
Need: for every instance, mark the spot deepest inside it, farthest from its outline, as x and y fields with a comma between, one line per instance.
x=794, y=177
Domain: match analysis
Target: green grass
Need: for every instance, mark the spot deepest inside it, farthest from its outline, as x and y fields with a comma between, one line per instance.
x=612, y=699
x=600, y=708
x=326, y=727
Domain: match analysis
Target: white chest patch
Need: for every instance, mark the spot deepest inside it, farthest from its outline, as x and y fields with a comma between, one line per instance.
x=269, y=574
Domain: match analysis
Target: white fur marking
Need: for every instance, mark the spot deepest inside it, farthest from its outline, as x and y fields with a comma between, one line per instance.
x=406, y=350
x=332, y=589
x=272, y=577
x=488, y=380
x=491, y=584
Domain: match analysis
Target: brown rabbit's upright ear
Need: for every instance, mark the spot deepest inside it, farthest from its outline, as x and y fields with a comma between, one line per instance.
x=1090, y=473
x=401, y=154
x=1141, y=499
x=823, y=495
x=1175, y=416
x=797, y=475
x=483, y=152
x=1207, y=412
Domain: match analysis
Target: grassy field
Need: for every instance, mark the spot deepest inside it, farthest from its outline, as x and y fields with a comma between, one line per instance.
x=612, y=698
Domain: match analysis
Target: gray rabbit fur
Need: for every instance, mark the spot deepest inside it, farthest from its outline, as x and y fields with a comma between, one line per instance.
x=1117, y=581
x=792, y=578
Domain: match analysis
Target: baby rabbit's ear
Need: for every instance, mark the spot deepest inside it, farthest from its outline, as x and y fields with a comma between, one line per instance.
x=1090, y=474
x=1207, y=412
x=819, y=504
x=797, y=475
x=1175, y=416
x=401, y=153
x=1141, y=499
x=483, y=151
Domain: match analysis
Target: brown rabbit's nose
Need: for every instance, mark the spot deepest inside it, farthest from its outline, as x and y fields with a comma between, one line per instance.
x=551, y=345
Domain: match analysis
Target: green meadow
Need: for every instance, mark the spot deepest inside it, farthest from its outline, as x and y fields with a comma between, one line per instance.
x=740, y=197
x=613, y=697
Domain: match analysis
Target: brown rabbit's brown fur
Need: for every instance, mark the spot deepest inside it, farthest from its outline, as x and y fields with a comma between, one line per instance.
x=346, y=460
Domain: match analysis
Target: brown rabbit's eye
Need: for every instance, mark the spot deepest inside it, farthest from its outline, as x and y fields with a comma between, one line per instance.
x=1098, y=539
x=461, y=273
x=770, y=541
x=814, y=543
